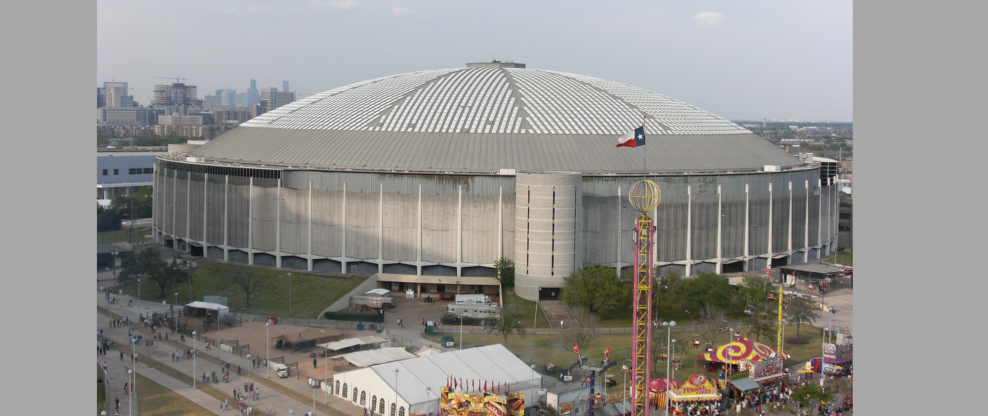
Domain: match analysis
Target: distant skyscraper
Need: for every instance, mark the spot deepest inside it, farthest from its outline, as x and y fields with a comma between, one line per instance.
x=176, y=94
x=284, y=86
x=252, y=95
x=115, y=91
x=276, y=98
x=240, y=100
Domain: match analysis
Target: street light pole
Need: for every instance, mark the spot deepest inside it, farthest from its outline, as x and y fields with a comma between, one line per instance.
x=115, y=254
x=138, y=292
x=290, y=295
x=267, y=343
x=669, y=339
x=130, y=394
x=133, y=385
x=461, y=330
x=188, y=266
x=194, y=359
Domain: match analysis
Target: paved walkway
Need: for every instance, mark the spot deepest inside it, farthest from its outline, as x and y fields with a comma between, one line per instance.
x=271, y=401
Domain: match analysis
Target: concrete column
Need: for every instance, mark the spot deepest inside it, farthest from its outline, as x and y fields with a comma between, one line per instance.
x=819, y=216
x=459, y=231
x=806, y=233
x=836, y=191
x=500, y=221
x=188, y=211
x=746, y=227
x=418, y=267
x=309, y=233
x=789, y=243
x=380, y=231
x=250, y=221
x=174, y=204
x=689, y=230
x=768, y=264
x=617, y=260
x=277, y=230
x=226, y=218
x=343, y=263
x=720, y=234
x=205, y=188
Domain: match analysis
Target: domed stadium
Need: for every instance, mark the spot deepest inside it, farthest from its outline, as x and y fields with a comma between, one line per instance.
x=440, y=173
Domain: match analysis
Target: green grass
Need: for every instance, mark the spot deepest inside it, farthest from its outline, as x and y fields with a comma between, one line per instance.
x=123, y=235
x=154, y=399
x=545, y=349
x=846, y=259
x=526, y=308
x=310, y=294
x=100, y=390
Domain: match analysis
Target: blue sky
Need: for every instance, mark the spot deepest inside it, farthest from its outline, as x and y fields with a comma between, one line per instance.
x=740, y=60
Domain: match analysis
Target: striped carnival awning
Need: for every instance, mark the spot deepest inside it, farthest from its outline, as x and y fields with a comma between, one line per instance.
x=739, y=351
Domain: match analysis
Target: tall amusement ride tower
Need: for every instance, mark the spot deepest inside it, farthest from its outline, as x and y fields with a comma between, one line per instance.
x=645, y=197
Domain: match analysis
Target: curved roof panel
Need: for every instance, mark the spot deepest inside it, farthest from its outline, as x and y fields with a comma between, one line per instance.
x=486, y=119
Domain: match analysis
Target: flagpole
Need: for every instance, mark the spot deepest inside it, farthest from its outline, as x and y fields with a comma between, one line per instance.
x=645, y=162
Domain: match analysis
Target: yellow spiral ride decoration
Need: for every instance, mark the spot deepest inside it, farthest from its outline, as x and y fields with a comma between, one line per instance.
x=645, y=196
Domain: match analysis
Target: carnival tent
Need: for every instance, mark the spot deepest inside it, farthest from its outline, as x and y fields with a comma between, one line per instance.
x=739, y=351
x=745, y=384
x=660, y=385
x=697, y=389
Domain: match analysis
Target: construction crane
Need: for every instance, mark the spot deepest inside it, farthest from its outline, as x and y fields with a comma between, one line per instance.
x=175, y=78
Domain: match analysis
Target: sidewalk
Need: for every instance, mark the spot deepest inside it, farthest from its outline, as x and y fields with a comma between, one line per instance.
x=270, y=402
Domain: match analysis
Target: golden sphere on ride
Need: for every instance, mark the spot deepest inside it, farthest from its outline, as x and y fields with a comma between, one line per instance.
x=644, y=195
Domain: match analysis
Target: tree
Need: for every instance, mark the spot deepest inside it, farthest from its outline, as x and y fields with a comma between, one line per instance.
x=810, y=392
x=666, y=293
x=584, y=333
x=148, y=265
x=244, y=278
x=106, y=220
x=801, y=311
x=505, y=271
x=507, y=321
x=709, y=294
x=595, y=287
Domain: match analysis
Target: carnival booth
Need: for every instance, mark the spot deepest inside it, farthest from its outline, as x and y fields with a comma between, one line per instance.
x=737, y=357
x=657, y=390
x=698, y=391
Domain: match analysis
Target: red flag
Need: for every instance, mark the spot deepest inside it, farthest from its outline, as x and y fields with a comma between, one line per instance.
x=607, y=352
x=485, y=386
x=575, y=349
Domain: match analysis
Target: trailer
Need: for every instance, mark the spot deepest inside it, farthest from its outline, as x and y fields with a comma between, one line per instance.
x=462, y=299
x=376, y=302
x=475, y=310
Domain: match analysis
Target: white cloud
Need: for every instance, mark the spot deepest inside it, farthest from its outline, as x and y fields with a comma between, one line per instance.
x=709, y=18
x=400, y=10
x=343, y=5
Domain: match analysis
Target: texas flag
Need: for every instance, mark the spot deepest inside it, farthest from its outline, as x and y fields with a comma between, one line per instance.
x=575, y=349
x=633, y=138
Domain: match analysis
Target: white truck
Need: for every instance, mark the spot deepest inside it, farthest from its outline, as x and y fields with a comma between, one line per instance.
x=462, y=299
x=281, y=370
x=473, y=310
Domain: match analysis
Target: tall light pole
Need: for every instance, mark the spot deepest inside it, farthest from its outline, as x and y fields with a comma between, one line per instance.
x=188, y=266
x=461, y=330
x=290, y=295
x=107, y=296
x=115, y=254
x=267, y=343
x=325, y=374
x=668, y=326
x=130, y=394
x=138, y=292
x=133, y=385
x=194, y=359
x=176, y=298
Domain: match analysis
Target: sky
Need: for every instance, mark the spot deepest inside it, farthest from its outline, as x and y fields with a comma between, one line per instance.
x=780, y=60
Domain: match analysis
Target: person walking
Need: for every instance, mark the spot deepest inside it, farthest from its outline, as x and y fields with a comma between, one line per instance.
x=313, y=363
x=117, y=402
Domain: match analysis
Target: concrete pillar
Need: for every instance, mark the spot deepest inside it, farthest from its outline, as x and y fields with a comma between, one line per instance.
x=836, y=215
x=174, y=204
x=418, y=254
x=188, y=211
x=617, y=260
x=459, y=231
x=689, y=230
x=746, y=227
x=546, y=225
x=226, y=218
x=308, y=261
x=819, y=216
x=380, y=230
x=500, y=221
x=806, y=228
x=205, y=194
x=250, y=221
x=277, y=230
x=344, y=262
x=768, y=263
x=720, y=234
x=789, y=243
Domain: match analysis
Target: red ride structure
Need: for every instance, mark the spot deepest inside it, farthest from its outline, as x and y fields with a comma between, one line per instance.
x=644, y=197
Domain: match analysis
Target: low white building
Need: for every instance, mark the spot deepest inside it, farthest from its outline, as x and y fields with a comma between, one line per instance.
x=412, y=386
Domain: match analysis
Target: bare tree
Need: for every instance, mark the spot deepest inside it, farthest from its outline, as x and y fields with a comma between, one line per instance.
x=585, y=333
x=507, y=321
x=245, y=278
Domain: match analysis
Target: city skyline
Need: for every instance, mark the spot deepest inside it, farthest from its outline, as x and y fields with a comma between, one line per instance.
x=774, y=60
